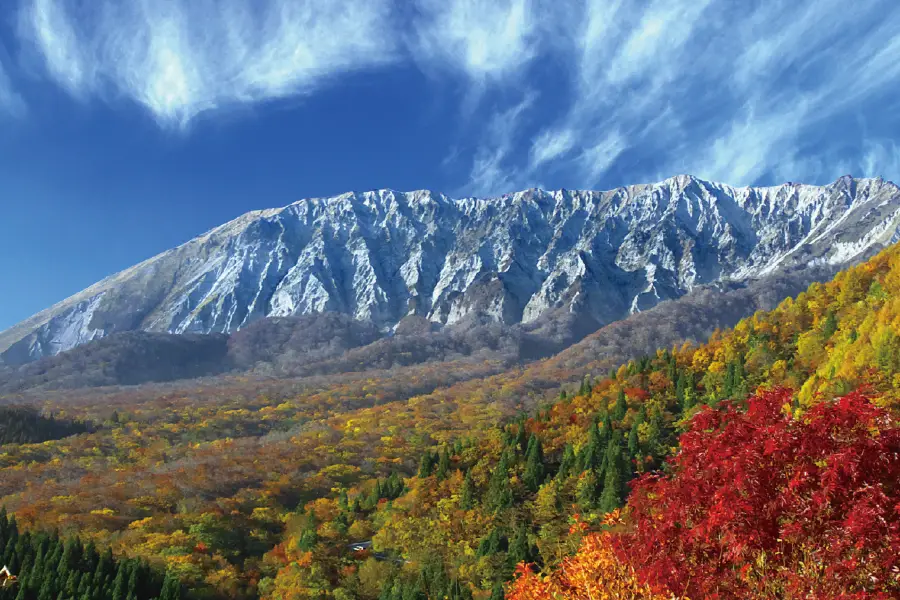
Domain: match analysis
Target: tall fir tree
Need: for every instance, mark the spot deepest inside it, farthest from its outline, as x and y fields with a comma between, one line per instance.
x=621, y=406
x=534, y=464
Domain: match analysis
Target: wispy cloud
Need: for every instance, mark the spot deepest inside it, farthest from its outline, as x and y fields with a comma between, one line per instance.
x=730, y=91
x=492, y=173
x=735, y=91
x=485, y=39
x=179, y=58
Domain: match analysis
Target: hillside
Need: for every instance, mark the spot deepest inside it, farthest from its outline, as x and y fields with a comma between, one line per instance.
x=238, y=485
x=479, y=507
x=331, y=344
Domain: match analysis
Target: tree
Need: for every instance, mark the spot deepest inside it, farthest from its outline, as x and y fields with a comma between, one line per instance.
x=592, y=454
x=499, y=494
x=634, y=442
x=467, y=495
x=534, y=464
x=520, y=550
x=426, y=464
x=616, y=474
x=309, y=535
x=621, y=406
x=443, y=466
x=762, y=504
x=567, y=463
x=171, y=589
x=594, y=573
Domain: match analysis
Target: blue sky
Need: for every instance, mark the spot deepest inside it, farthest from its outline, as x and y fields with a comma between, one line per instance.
x=127, y=127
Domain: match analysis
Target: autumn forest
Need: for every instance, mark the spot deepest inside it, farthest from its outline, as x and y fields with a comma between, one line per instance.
x=763, y=462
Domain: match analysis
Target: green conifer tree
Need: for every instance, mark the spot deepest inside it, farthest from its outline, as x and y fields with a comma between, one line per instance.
x=621, y=406
x=534, y=464
x=467, y=494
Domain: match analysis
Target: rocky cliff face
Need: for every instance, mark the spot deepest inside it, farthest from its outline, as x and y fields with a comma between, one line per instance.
x=380, y=256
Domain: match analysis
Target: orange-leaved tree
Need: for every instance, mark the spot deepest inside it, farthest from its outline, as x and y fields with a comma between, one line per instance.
x=594, y=573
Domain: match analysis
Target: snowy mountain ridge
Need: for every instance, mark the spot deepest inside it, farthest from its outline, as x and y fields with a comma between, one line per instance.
x=382, y=255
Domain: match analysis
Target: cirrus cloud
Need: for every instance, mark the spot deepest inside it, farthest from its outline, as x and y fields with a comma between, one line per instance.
x=179, y=58
x=739, y=92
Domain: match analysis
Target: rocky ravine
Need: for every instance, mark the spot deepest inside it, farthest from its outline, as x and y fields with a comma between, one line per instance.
x=382, y=255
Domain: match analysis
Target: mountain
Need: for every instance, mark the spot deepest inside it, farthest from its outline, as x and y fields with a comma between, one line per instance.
x=534, y=258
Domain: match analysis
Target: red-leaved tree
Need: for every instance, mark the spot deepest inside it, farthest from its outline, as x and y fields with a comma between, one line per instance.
x=764, y=505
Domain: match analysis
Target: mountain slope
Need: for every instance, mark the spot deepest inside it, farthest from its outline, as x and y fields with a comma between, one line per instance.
x=380, y=256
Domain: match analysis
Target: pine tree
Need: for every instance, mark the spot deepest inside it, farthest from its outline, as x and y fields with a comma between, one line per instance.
x=497, y=592
x=519, y=547
x=120, y=584
x=491, y=544
x=621, y=406
x=567, y=464
x=592, y=454
x=617, y=474
x=830, y=326
x=585, y=389
x=587, y=492
x=680, y=387
x=443, y=466
x=171, y=589
x=634, y=442
x=499, y=495
x=426, y=464
x=309, y=536
x=467, y=495
x=521, y=437
x=534, y=464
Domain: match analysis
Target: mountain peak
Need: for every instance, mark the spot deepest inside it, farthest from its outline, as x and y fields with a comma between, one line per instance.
x=523, y=257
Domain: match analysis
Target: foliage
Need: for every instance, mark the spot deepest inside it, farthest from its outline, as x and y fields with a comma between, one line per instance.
x=765, y=505
x=594, y=573
x=48, y=567
x=23, y=425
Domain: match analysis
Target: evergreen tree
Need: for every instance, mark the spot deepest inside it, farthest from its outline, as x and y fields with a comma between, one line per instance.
x=520, y=549
x=309, y=536
x=497, y=592
x=443, y=466
x=617, y=474
x=171, y=589
x=426, y=464
x=491, y=544
x=634, y=443
x=830, y=326
x=534, y=464
x=586, y=385
x=499, y=494
x=621, y=406
x=567, y=464
x=587, y=493
x=681, y=385
x=467, y=495
x=120, y=584
x=592, y=454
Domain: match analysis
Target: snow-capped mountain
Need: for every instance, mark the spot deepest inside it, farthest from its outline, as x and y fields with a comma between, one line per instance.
x=382, y=255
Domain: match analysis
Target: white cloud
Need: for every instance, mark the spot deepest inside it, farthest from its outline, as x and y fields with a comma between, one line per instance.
x=179, y=58
x=485, y=39
x=550, y=145
x=491, y=172
x=729, y=90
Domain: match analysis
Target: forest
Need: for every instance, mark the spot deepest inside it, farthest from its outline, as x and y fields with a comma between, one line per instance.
x=761, y=463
